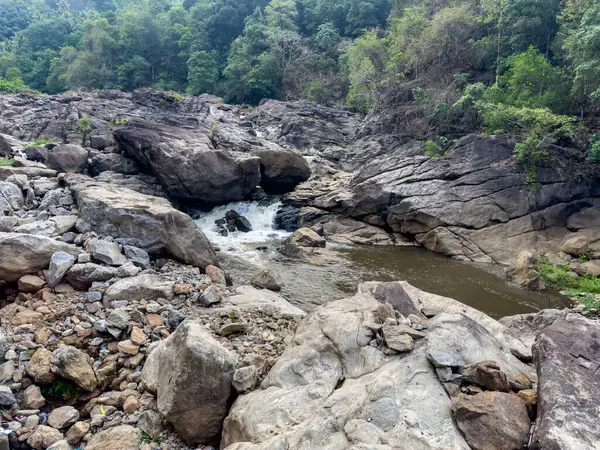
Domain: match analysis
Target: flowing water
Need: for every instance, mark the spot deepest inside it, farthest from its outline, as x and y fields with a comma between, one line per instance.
x=307, y=286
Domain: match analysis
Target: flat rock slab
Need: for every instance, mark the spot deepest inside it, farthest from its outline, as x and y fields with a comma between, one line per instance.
x=567, y=359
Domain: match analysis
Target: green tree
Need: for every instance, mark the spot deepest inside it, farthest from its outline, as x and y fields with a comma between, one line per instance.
x=203, y=73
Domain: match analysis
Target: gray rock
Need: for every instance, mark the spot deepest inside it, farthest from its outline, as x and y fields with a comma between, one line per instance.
x=137, y=256
x=31, y=398
x=566, y=356
x=151, y=423
x=81, y=276
x=145, y=286
x=119, y=318
x=37, y=153
x=68, y=158
x=196, y=400
x=7, y=398
x=395, y=295
x=267, y=279
x=22, y=254
x=63, y=417
x=121, y=437
x=61, y=445
x=148, y=222
x=5, y=148
x=44, y=437
x=12, y=194
x=128, y=269
x=244, y=379
x=210, y=296
x=397, y=339
x=60, y=263
x=112, y=162
x=282, y=170
x=108, y=253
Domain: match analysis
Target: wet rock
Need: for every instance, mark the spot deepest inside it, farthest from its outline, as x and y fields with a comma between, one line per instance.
x=39, y=367
x=282, y=170
x=67, y=158
x=150, y=223
x=30, y=283
x=72, y=364
x=22, y=254
x=145, y=286
x=44, y=437
x=195, y=400
x=122, y=437
x=305, y=237
x=576, y=245
x=31, y=398
x=244, y=379
x=60, y=264
x=268, y=279
x=63, y=417
x=566, y=355
x=108, y=253
x=492, y=420
x=81, y=276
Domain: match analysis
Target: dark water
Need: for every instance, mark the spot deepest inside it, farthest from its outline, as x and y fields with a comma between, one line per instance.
x=307, y=286
x=480, y=286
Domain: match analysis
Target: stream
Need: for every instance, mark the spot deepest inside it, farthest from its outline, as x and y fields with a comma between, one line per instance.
x=482, y=286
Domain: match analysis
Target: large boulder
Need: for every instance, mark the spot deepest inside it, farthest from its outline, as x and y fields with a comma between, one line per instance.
x=282, y=170
x=343, y=390
x=150, y=223
x=192, y=375
x=112, y=162
x=186, y=163
x=67, y=158
x=5, y=148
x=22, y=254
x=566, y=356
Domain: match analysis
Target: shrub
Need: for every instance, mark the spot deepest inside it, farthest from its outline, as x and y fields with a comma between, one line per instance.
x=14, y=86
x=593, y=153
x=42, y=143
x=85, y=128
x=433, y=150
x=6, y=162
x=585, y=287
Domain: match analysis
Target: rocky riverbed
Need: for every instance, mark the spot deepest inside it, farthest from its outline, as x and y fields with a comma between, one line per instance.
x=120, y=328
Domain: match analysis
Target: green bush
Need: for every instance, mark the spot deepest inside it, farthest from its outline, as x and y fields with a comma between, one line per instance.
x=14, y=86
x=6, y=162
x=85, y=128
x=593, y=153
x=433, y=150
x=42, y=143
x=585, y=287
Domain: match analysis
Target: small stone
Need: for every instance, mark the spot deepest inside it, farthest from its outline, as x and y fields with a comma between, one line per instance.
x=216, y=275
x=119, y=318
x=94, y=296
x=576, y=245
x=30, y=283
x=128, y=270
x=7, y=371
x=181, y=289
x=529, y=396
x=122, y=437
x=26, y=316
x=31, y=398
x=151, y=423
x=154, y=320
x=60, y=263
x=397, y=339
x=63, y=417
x=108, y=253
x=77, y=432
x=233, y=328
x=210, y=296
x=39, y=367
x=138, y=337
x=61, y=445
x=267, y=279
x=44, y=437
x=72, y=364
x=7, y=398
x=245, y=379
x=128, y=347
x=131, y=405
x=439, y=359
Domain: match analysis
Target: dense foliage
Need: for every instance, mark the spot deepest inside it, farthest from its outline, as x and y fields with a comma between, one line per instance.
x=524, y=66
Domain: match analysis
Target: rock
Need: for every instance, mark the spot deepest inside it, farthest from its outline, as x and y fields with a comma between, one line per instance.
x=576, y=245
x=282, y=170
x=30, y=283
x=112, y=162
x=343, y=393
x=151, y=423
x=77, y=432
x=61, y=445
x=267, y=279
x=248, y=298
x=186, y=163
x=591, y=268
x=492, y=420
x=150, y=223
x=22, y=254
x=396, y=296
x=145, y=286
x=81, y=276
x=487, y=374
x=44, y=437
x=244, y=379
x=305, y=237
x=128, y=348
x=101, y=142
x=138, y=336
x=39, y=367
x=6, y=150
x=7, y=398
x=31, y=398
x=397, y=339
x=131, y=405
x=523, y=272
x=137, y=256
x=529, y=396
x=12, y=194
x=128, y=269
x=192, y=373
x=25, y=317
x=216, y=275
x=67, y=158
x=122, y=437
x=37, y=153
x=566, y=355
x=7, y=371
x=108, y=253
x=63, y=417
x=210, y=296
x=72, y=364
x=230, y=329
x=60, y=263
x=118, y=318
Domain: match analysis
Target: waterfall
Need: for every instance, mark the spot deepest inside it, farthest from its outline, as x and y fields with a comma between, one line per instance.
x=261, y=217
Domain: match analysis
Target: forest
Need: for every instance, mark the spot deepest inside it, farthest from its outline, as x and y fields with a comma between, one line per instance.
x=529, y=67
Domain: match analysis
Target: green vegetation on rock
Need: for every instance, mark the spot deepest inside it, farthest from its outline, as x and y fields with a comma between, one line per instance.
x=584, y=288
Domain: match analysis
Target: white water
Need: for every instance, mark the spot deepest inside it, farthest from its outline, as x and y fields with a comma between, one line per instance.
x=261, y=217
